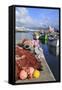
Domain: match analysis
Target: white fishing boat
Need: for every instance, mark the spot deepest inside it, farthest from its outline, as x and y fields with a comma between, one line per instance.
x=53, y=46
x=36, y=35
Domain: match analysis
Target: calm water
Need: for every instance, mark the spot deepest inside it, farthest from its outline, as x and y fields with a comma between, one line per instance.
x=24, y=35
x=53, y=61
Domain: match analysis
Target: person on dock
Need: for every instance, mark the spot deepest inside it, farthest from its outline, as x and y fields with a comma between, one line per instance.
x=37, y=48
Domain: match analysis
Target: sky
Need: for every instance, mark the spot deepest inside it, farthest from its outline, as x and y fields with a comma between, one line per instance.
x=36, y=17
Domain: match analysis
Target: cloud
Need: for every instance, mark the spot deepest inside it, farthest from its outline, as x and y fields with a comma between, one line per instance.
x=23, y=18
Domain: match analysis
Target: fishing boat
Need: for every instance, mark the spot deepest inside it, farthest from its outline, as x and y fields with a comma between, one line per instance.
x=43, y=38
x=36, y=35
x=53, y=46
x=51, y=37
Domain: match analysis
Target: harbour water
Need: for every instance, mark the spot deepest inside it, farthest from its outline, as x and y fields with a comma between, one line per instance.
x=24, y=35
x=53, y=61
